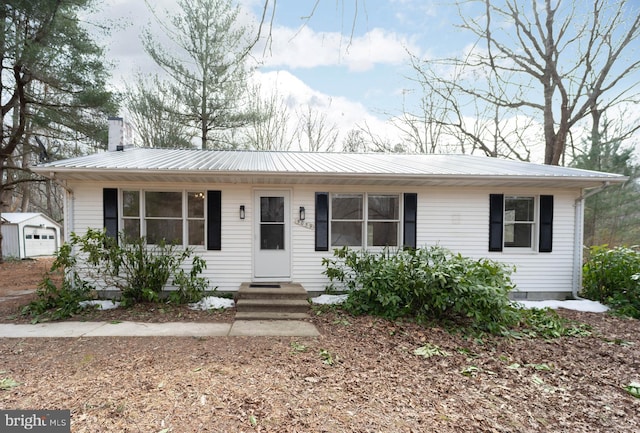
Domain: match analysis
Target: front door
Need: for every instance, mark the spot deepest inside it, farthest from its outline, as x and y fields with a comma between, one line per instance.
x=271, y=246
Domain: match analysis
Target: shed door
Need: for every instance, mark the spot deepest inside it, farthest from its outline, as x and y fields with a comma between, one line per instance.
x=39, y=241
x=271, y=246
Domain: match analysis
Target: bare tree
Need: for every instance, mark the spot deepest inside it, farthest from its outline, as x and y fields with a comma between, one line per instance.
x=553, y=62
x=375, y=142
x=447, y=120
x=151, y=110
x=268, y=129
x=422, y=130
x=314, y=133
x=354, y=141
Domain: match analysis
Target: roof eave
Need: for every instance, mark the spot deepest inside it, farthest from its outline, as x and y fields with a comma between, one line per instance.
x=164, y=175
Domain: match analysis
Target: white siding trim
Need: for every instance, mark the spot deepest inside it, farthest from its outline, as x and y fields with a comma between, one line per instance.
x=453, y=217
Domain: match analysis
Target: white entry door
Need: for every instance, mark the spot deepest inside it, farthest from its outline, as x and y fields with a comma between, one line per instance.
x=271, y=246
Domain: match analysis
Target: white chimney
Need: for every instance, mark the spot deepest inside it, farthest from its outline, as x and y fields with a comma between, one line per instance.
x=116, y=134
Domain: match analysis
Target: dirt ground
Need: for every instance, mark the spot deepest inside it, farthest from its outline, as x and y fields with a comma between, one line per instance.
x=360, y=375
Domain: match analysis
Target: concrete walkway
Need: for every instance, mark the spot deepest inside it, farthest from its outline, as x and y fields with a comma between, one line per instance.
x=248, y=328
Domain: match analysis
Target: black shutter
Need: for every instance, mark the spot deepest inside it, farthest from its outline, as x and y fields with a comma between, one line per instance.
x=546, y=223
x=110, y=211
x=410, y=220
x=322, y=221
x=214, y=220
x=496, y=215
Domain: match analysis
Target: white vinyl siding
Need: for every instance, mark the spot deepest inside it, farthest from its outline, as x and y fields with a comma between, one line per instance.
x=227, y=268
x=455, y=218
x=458, y=219
x=232, y=264
x=87, y=207
x=306, y=264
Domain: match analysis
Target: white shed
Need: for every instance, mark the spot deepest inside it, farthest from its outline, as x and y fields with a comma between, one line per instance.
x=29, y=235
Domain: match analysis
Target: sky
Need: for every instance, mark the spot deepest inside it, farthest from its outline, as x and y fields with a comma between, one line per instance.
x=346, y=58
x=352, y=64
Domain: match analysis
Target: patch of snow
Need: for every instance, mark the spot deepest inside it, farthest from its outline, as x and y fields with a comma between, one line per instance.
x=211, y=303
x=578, y=305
x=102, y=304
x=329, y=299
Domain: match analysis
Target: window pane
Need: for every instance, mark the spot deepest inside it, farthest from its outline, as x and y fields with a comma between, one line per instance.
x=163, y=204
x=383, y=207
x=519, y=209
x=131, y=203
x=346, y=234
x=346, y=206
x=132, y=228
x=169, y=230
x=272, y=209
x=196, y=232
x=195, y=204
x=382, y=234
x=518, y=235
x=271, y=236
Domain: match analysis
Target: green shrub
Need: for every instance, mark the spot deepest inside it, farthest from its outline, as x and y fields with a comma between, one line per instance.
x=548, y=324
x=430, y=284
x=190, y=286
x=95, y=261
x=140, y=271
x=60, y=300
x=612, y=276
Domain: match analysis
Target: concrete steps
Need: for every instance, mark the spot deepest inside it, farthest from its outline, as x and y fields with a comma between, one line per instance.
x=270, y=315
x=285, y=301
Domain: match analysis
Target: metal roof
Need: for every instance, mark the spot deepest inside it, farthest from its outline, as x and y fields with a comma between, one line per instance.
x=281, y=167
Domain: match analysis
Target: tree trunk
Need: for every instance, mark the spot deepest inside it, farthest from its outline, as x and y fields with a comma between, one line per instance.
x=49, y=201
x=25, y=188
x=558, y=145
x=2, y=161
x=203, y=133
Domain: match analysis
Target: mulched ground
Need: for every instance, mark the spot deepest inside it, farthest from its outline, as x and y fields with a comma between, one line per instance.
x=19, y=277
x=360, y=375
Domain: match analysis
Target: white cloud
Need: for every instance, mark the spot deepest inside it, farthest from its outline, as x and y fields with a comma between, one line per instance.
x=127, y=20
x=340, y=111
x=305, y=48
x=290, y=48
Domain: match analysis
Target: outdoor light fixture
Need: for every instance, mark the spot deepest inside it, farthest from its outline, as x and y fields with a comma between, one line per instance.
x=302, y=215
x=241, y=211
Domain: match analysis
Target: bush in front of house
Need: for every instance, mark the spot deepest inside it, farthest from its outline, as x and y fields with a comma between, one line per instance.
x=139, y=270
x=96, y=261
x=612, y=276
x=61, y=290
x=428, y=283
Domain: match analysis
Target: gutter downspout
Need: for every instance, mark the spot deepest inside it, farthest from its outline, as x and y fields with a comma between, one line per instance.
x=578, y=237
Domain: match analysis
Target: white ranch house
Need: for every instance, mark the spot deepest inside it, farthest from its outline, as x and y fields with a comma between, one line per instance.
x=273, y=216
